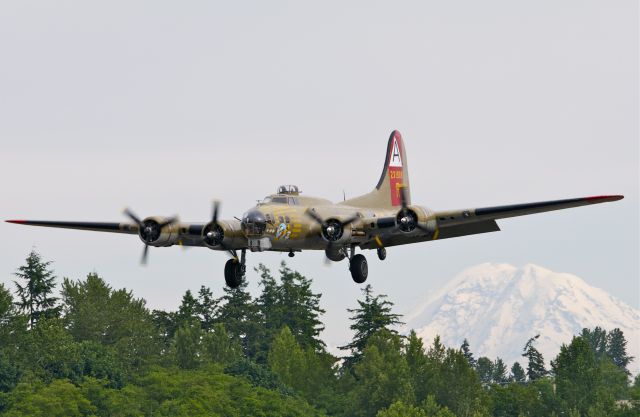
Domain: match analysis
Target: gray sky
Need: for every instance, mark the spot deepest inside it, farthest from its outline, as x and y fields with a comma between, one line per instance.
x=163, y=106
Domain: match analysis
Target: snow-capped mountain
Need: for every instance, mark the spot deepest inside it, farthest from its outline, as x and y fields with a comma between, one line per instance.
x=498, y=307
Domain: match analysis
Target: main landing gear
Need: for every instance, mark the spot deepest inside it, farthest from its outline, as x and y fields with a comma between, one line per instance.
x=358, y=266
x=234, y=270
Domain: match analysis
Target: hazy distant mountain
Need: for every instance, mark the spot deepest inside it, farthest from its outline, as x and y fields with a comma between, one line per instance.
x=498, y=307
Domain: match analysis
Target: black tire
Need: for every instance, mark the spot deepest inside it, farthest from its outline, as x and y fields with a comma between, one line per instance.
x=382, y=254
x=233, y=273
x=359, y=268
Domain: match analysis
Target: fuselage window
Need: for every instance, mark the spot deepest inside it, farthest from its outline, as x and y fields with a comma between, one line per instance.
x=279, y=200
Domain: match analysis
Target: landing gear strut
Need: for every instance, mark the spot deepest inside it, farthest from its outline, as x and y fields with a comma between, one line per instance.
x=359, y=268
x=234, y=270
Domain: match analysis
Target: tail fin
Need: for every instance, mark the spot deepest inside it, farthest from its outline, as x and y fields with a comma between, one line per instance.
x=395, y=175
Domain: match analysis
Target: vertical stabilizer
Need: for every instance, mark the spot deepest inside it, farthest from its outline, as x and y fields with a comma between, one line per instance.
x=395, y=175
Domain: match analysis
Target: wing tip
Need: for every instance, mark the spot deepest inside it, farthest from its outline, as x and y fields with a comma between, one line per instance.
x=16, y=221
x=605, y=198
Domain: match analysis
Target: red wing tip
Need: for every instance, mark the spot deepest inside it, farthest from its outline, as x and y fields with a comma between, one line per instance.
x=606, y=197
x=16, y=221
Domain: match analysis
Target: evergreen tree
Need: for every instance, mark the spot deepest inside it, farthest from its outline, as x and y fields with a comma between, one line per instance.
x=485, y=369
x=300, y=309
x=535, y=366
x=597, y=339
x=382, y=374
x=467, y=353
x=6, y=305
x=374, y=314
x=577, y=375
x=617, y=349
x=517, y=373
x=206, y=308
x=96, y=312
x=187, y=345
x=499, y=372
x=417, y=363
x=219, y=347
x=287, y=360
x=457, y=385
x=34, y=295
x=241, y=319
x=187, y=309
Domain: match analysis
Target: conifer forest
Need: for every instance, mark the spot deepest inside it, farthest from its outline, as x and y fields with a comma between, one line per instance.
x=79, y=347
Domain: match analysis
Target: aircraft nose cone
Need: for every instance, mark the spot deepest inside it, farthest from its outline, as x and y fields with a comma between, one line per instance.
x=254, y=222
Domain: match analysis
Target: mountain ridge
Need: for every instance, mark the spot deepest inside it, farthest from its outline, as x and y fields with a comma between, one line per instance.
x=498, y=307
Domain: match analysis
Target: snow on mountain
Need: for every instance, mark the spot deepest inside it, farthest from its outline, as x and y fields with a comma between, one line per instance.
x=498, y=307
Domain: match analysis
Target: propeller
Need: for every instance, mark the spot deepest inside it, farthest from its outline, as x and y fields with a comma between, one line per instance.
x=331, y=229
x=406, y=218
x=213, y=233
x=149, y=230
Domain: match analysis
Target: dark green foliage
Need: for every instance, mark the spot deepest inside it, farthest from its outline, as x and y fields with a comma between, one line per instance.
x=187, y=310
x=617, y=349
x=187, y=345
x=467, y=353
x=535, y=399
x=499, y=375
x=290, y=303
x=577, y=375
x=535, y=365
x=219, y=347
x=96, y=312
x=458, y=386
x=35, y=292
x=485, y=370
x=108, y=356
x=161, y=392
x=9, y=373
x=241, y=318
x=597, y=339
x=258, y=376
x=418, y=365
x=206, y=308
x=517, y=373
x=374, y=314
x=382, y=376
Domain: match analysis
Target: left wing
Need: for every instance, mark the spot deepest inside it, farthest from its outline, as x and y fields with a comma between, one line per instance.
x=93, y=226
x=189, y=234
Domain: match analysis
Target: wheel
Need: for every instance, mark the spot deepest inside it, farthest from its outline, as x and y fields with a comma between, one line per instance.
x=233, y=273
x=359, y=268
x=382, y=254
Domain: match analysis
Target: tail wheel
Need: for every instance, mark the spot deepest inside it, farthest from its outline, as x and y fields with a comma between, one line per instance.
x=359, y=268
x=233, y=273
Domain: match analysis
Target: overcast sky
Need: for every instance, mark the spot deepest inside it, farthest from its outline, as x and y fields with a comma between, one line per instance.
x=163, y=106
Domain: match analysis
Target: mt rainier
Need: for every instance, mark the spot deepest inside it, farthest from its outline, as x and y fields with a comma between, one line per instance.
x=498, y=307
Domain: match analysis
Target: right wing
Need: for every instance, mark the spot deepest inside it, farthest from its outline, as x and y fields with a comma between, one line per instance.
x=465, y=222
x=454, y=223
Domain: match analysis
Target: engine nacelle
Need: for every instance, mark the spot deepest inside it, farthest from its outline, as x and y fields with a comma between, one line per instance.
x=153, y=233
x=222, y=234
x=334, y=231
x=413, y=217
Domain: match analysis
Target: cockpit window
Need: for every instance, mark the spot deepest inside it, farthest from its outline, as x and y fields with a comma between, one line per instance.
x=279, y=200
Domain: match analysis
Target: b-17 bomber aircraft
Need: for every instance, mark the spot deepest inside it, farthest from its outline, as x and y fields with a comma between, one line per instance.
x=291, y=222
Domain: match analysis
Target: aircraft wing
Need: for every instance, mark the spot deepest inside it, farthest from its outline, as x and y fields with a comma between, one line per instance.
x=189, y=233
x=456, y=223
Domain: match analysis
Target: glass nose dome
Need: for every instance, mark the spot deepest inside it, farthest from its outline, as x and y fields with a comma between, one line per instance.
x=254, y=222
